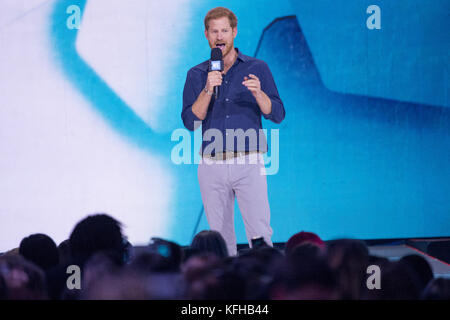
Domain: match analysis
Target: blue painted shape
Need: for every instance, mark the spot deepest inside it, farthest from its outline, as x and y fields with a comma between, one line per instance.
x=354, y=166
x=408, y=59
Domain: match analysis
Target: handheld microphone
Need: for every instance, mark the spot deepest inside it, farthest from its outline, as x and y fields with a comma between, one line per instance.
x=216, y=64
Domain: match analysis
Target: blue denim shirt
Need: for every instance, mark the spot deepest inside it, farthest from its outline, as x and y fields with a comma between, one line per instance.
x=236, y=108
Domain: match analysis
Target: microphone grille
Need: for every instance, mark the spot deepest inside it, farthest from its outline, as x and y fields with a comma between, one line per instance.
x=216, y=54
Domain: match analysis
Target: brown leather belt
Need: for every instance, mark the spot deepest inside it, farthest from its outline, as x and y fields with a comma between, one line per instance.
x=229, y=155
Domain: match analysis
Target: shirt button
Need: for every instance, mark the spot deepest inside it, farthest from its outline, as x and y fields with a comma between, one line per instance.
x=228, y=116
x=227, y=99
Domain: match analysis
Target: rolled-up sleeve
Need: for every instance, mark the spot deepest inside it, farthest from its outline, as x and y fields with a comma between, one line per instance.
x=269, y=87
x=190, y=95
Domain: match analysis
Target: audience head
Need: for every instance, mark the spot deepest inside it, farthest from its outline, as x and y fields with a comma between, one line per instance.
x=258, y=267
x=64, y=252
x=99, y=232
x=3, y=288
x=303, y=238
x=348, y=258
x=398, y=282
x=104, y=262
x=437, y=289
x=222, y=283
x=305, y=275
x=41, y=250
x=23, y=280
x=200, y=264
x=210, y=241
x=421, y=267
x=159, y=256
x=126, y=284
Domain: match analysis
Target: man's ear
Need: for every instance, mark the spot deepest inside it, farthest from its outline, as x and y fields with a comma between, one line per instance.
x=234, y=32
x=206, y=34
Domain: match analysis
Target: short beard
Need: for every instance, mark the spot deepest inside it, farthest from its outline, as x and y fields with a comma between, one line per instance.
x=230, y=48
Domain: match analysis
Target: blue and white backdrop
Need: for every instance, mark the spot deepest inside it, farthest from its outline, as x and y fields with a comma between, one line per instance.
x=90, y=94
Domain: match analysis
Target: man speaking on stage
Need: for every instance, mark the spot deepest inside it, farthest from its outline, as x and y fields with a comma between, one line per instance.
x=228, y=94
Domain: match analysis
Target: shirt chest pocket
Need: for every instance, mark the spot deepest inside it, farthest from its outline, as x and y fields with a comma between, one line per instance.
x=245, y=104
x=242, y=95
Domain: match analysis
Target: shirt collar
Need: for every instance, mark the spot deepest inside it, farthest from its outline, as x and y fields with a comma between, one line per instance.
x=240, y=56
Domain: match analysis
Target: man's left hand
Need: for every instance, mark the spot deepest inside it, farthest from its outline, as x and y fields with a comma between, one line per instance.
x=253, y=84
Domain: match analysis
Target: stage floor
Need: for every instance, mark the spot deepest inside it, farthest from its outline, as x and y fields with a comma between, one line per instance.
x=396, y=252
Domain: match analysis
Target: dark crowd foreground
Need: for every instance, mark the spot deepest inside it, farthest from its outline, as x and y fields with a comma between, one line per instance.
x=97, y=262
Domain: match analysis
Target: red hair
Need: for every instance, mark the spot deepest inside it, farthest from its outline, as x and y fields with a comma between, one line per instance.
x=220, y=12
x=303, y=238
